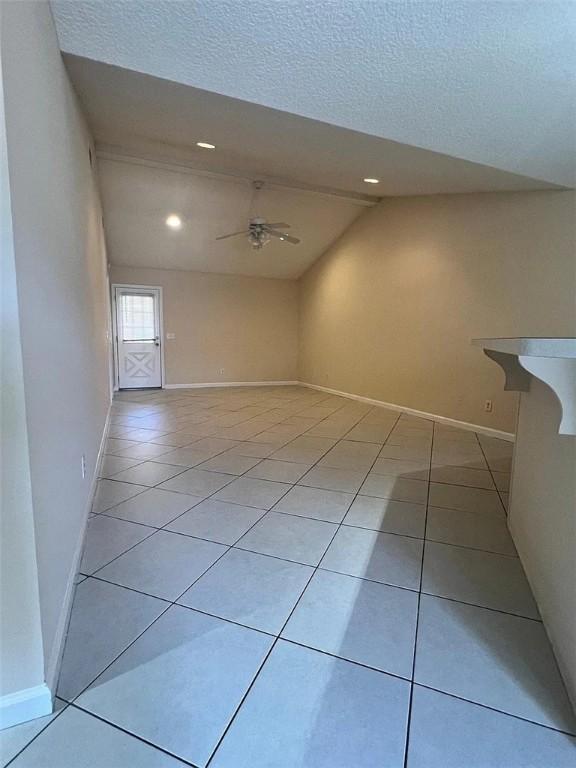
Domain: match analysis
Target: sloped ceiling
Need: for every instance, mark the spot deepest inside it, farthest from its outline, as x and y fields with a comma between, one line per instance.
x=429, y=97
x=155, y=117
x=150, y=166
x=489, y=82
x=137, y=196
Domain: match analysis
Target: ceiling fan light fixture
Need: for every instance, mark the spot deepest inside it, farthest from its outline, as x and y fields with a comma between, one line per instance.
x=260, y=231
x=258, y=238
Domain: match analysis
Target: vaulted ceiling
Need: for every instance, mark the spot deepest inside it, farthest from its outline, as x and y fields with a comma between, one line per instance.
x=138, y=196
x=154, y=116
x=434, y=97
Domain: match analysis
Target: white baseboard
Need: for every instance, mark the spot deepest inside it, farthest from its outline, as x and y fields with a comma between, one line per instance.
x=422, y=414
x=233, y=384
x=489, y=431
x=21, y=706
x=52, y=671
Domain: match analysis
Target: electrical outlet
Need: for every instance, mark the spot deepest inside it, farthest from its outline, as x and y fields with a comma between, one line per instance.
x=488, y=406
x=83, y=464
x=221, y=371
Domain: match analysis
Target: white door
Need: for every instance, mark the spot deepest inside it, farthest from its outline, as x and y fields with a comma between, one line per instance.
x=138, y=337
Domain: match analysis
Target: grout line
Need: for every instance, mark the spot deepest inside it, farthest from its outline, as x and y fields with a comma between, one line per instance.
x=157, y=530
x=228, y=621
x=117, y=479
x=344, y=437
x=109, y=480
x=303, y=645
x=498, y=491
x=130, y=644
x=171, y=603
x=482, y=607
x=185, y=469
x=344, y=658
x=108, y=512
x=130, y=589
x=388, y=584
x=472, y=549
x=153, y=531
x=56, y=716
x=113, y=456
x=134, y=735
x=223, y=736
x=409, y=719
x=123, y=519
x=499, y=711
x=461, y=485
x=361, y=417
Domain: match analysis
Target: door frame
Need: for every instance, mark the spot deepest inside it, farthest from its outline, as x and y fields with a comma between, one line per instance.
x=158, y=289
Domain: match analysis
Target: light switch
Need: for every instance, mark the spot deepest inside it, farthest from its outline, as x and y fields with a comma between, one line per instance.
x=170, y=336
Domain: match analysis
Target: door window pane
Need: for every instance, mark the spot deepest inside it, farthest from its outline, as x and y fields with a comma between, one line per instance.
x=137, y=313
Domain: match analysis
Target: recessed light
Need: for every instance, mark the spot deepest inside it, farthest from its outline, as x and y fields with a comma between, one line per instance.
x=205, y=145
x=173, y=221
x=372, y=181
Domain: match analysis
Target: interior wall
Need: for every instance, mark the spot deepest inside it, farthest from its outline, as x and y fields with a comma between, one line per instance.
x=62, y=295
x=21, y=651
x=389, y=311
x=247, y=326
x=542, y=519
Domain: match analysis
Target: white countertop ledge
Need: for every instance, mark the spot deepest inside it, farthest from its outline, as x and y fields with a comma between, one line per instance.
x=553, y=361
x=531, y=347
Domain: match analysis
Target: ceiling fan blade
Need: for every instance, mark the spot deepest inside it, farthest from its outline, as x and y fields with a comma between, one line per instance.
x=283, y=236
x=279, y=225
x=233, y=234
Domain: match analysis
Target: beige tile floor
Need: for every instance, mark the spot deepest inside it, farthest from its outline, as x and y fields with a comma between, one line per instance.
x=279, y=577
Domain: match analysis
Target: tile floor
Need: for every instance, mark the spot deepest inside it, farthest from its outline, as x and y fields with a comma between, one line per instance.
x=281, y=578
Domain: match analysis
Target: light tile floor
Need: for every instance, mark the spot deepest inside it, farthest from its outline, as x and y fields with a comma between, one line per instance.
x=280, y=578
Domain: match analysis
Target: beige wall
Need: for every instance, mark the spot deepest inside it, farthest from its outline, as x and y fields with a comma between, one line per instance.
x=21, y=651
x=62, y=297
x=389, y=311
x=542, y=519
x=246, y=325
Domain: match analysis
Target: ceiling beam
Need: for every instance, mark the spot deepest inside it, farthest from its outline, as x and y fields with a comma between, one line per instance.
x=124, y=155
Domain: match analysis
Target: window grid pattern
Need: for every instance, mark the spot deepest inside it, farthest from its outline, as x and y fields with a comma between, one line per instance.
x=137, y=313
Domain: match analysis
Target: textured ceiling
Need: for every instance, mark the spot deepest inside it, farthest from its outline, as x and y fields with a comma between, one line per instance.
x=149, y=116
x=137, y=196
x=490, y=81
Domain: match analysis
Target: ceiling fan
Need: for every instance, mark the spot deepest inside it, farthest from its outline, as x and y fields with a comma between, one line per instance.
x=260, y=231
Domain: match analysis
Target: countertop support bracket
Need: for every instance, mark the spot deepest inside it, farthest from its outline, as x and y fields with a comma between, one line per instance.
x=553, y=361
